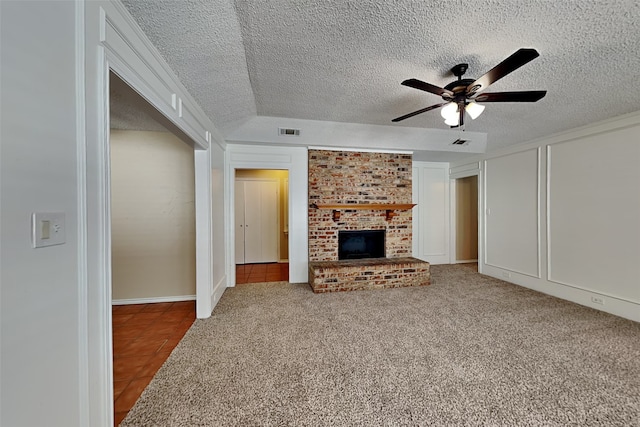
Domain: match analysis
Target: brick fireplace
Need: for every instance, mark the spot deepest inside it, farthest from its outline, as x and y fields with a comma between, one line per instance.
x=351, y=191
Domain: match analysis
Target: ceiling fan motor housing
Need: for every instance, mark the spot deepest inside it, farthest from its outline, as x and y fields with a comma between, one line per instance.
x=459, y=89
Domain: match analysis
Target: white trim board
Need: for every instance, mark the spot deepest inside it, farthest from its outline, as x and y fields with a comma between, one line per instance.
x=84, y=373
x=360, y=150
x=153, y=300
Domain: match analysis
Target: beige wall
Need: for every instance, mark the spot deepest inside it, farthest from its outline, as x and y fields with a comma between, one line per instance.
x=467, y=218
x=153, y=217
x=282, y=177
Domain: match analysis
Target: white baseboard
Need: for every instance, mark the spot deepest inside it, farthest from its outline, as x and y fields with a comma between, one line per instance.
x=464, y=261
x=153, y=300
x=218, y=290
x=282, y=261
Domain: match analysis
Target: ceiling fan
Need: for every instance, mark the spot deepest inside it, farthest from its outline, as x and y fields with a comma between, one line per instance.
x=463, y=95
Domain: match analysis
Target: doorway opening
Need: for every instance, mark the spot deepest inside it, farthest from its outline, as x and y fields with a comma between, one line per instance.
x=261, y=235
x=153, y=248
x=466, y=220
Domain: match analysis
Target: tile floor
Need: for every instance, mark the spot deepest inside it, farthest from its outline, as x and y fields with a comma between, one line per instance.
x=145, y=334
x=143, y=337
x=257, y=273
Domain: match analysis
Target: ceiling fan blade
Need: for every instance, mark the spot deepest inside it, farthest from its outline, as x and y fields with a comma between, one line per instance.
x=524, y=96
x=512, y=63
x=415, y=113
x=427, y=87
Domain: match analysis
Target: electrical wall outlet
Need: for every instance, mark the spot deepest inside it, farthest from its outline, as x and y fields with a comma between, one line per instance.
x=597, y=300
x=506, y=274
x=47, y=229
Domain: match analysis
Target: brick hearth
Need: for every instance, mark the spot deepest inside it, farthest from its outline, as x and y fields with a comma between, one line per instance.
x=376, y=273
x=359, y=178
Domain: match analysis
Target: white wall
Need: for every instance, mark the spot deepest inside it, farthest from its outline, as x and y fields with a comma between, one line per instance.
x=431, y=238
x=561, y=215
x=40, y=366
x=218, y=212
x=152, y=217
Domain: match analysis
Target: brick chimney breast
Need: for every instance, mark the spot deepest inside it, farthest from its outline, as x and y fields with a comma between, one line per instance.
x=345, y=177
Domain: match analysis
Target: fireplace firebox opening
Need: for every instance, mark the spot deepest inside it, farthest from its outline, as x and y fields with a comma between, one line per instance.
x=358, y=244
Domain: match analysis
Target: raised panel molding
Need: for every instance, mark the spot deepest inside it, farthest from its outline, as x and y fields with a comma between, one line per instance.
x=431, y=231
x=508, y=259
x=592, y=212
x=615, y=168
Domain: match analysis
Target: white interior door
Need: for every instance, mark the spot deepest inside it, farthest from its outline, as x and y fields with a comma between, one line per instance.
x=256, y=214
x=269, y=221
x=239, y=221
x=252, y=221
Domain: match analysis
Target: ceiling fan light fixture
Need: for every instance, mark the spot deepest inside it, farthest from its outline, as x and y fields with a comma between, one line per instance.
x=474, y=110
x=450, y=112
x=452, y=121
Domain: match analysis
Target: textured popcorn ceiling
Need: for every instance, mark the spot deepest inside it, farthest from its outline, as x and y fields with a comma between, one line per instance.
x=343, y=61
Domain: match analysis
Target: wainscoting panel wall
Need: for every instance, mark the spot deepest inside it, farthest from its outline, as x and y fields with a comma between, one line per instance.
x=431, y=215
x=590, y=218
x=511, y=212
x=568, y=206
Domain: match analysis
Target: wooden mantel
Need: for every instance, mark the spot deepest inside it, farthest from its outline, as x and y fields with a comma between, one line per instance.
x=389, y=207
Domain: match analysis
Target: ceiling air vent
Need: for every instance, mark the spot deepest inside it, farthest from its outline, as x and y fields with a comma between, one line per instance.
x=460, y=142
x=289, y=131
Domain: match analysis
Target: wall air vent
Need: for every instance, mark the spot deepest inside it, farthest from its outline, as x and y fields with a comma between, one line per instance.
x=460, y=142
x=289, y=131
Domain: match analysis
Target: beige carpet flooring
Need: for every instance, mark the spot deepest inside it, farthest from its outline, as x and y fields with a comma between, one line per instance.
x=467, y=350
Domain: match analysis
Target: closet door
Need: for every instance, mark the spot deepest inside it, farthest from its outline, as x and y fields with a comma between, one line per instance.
x=256, y=213
x=269, y=226
x=253, y=221
x=239, y=217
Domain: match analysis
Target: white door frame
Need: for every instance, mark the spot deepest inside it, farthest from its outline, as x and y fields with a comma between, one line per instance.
x=465, y=172
x=292, y=159
x=454, y=214
x=113, y=41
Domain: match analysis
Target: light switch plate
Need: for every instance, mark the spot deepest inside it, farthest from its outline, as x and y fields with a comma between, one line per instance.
x=47, y=229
